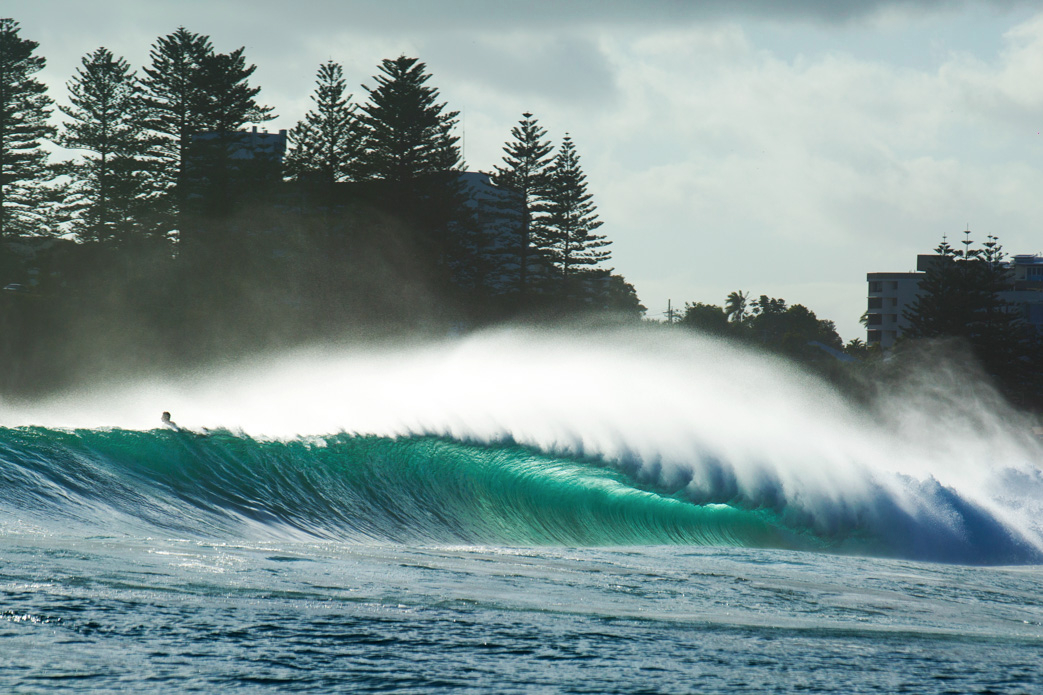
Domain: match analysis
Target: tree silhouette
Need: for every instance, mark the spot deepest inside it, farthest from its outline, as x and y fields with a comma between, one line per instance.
x=708, y=318
x=324, y=145
x=24, y=110
x=406, y=133
x=175, y=106
x=735, y=307
x=524, y=174
x=227, y=103
x=111, y=190
x=959, y=293
x=566, y=235
x=407, y=142
x=196, y=101
x=789, y=329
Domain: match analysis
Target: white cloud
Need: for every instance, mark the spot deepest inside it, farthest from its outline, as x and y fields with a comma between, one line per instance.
x=726, y=166
x=1007, y=89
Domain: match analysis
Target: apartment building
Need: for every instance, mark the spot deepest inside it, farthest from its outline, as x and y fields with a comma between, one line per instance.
x=892, y=294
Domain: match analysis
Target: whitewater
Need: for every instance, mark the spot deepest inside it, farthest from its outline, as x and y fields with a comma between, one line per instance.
x=517, y=510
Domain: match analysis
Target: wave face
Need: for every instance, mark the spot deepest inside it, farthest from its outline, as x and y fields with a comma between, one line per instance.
x=511, y=438
x=357, y=488
x=348, y=487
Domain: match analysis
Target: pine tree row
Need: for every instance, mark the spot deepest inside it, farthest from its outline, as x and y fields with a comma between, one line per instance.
x=164, y=160
x=138, y=137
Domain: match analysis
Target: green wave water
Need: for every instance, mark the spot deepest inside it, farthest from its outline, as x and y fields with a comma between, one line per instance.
x=440, y=490
x=359, y=488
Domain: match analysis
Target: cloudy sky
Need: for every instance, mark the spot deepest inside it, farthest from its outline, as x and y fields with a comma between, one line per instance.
x=781, y=148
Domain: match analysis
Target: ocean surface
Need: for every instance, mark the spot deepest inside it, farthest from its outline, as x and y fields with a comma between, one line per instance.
x=473, y=516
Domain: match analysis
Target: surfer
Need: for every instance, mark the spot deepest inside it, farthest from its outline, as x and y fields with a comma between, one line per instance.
x=167, y=422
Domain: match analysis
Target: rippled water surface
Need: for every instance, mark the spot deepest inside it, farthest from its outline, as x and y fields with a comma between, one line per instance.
x=107, y=614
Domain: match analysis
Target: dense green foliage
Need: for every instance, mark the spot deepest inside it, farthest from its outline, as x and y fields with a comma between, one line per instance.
x=706, y=318
x=959, y=296
x=771, y=323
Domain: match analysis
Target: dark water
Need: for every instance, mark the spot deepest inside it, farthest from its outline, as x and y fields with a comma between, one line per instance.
x=164, y=561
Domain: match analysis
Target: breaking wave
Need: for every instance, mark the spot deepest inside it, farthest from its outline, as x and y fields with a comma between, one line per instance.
x=511, y=438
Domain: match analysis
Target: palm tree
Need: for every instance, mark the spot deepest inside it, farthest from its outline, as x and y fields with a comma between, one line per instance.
x=735, y=307
x=857, y=348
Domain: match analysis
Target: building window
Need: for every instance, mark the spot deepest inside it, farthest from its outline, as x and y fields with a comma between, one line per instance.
x=876, y=286
x=893, y=285
x=891, y=318
x=873, y=336
x=874, y=319
x=894, y=301
x=876, y=302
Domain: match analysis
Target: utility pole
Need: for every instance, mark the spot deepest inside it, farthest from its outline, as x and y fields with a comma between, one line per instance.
x=670, y=313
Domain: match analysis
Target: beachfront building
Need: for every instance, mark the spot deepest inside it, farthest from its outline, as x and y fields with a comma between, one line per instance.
x=892, y=294
x=1026, y=290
